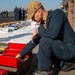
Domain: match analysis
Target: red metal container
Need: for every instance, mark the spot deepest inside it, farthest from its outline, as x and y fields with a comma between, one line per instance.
x=9, y=61
x=7, y=58
x=3, y=72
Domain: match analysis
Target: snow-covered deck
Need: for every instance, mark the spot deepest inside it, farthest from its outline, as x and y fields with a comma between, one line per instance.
x=22, y=35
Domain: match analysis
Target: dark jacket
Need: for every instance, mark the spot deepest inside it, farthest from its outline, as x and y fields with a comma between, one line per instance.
x=58, y=28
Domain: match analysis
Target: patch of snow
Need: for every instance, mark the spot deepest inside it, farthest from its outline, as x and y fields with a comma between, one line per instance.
x=22, y=35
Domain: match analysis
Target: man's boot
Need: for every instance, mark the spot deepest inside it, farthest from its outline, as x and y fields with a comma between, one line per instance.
x=43, y=72
x=68, y=66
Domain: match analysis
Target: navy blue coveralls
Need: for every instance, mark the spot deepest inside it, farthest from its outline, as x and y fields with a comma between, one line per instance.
x=58, y=39
x=16, y=11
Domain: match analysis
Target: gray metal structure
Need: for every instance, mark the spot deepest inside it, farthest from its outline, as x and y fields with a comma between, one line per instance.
x=74, y=16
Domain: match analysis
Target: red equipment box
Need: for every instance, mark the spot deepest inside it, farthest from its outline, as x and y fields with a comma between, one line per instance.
x=9, y=61
x=7, y=58
x=14, y=47
x=3, y=72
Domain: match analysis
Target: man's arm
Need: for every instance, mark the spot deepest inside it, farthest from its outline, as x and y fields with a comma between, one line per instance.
x=29, y=47
x=55, y=24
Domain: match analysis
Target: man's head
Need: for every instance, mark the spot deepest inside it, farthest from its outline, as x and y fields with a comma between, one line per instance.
x=35, y=10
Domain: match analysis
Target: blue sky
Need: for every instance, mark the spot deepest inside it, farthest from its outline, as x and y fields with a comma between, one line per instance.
x=10, y=4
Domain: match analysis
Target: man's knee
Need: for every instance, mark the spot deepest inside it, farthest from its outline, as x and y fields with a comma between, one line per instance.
x=45, y=41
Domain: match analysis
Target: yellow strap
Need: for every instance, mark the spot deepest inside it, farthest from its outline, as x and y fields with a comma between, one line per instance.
x=2, y=48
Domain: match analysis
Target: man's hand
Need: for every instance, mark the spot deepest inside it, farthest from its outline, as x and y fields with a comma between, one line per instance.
x=34, y=34
x=18, y=56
